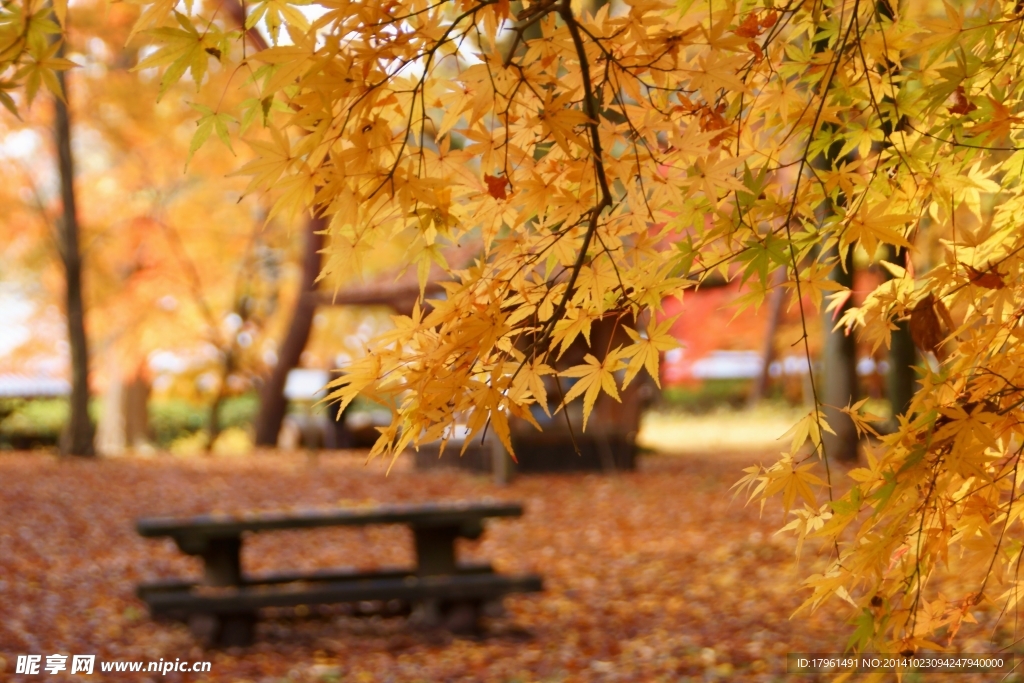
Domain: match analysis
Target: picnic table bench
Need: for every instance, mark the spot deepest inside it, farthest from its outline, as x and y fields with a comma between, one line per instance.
x=227, y=601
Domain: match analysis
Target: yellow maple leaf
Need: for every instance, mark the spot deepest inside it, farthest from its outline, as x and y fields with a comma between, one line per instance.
x=41, y=69
x=808, y=428
x=715, y=71
x=594, y=377
x=357, y=378
x=575, y=322
x=792, y=482
x=530, y=380
x=559, y=121
x=874, y=225
x=646, y=352
x=273, y=159
x=182, y=49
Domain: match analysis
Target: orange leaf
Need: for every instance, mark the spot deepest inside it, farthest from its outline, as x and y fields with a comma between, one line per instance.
x=496, y=186
x=925, y=329
x=990, y=279
x=749, y=27
x=961, y=105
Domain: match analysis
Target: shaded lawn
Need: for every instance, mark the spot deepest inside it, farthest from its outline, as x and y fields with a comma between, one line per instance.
x=650, y=576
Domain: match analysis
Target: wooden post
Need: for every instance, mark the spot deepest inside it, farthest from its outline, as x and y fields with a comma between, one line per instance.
x=501, y=461
x=222, y=566
x=435, y=550
x=136, y=409
x=435, y=555
x=222, y=562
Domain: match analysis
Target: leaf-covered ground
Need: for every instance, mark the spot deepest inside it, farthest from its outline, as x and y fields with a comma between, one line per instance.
x=657, y=575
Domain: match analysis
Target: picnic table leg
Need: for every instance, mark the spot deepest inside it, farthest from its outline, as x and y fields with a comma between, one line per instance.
x=222, y=566
x=222, y=562
x=435, y=550
x=435, y=555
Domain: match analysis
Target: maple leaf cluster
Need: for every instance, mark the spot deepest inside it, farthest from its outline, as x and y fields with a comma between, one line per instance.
x=30, y=49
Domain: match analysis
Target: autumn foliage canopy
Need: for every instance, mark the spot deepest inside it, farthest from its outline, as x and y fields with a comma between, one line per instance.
x=601, y=158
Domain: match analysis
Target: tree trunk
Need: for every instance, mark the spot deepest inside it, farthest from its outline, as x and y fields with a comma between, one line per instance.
x=900, y=381
x=213, y=425
x=839, y=380
x=77, y=438
x=838, y=384
x=273, y=404
x=213, y=421
x=272, y=400
x=778, y=296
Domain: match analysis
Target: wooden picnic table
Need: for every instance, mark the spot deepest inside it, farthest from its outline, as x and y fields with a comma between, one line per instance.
x=227, y=600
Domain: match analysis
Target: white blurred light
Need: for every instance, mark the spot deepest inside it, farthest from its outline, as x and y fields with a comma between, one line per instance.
x=167, y=303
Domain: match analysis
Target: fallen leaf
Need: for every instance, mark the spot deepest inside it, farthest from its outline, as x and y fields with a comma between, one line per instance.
x=630, y=566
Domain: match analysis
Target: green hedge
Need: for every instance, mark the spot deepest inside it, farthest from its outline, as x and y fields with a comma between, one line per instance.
x=171, y=419
x=706, y=396
x=38, y=423
x=32, y=424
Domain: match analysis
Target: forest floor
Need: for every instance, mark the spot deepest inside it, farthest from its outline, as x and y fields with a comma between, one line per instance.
x=654, y=575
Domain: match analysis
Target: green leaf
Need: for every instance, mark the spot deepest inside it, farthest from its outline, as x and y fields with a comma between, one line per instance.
x=210, y=121
x=755, y=186
x=864, y=632
x=182, y=50
x=762, y=257
x=884, y=493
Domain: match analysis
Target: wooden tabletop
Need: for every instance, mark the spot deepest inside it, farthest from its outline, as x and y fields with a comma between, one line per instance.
x=419, y=515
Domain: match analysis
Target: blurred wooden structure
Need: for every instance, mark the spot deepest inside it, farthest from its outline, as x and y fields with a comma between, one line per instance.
x=124, y=421
x=609, y=444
